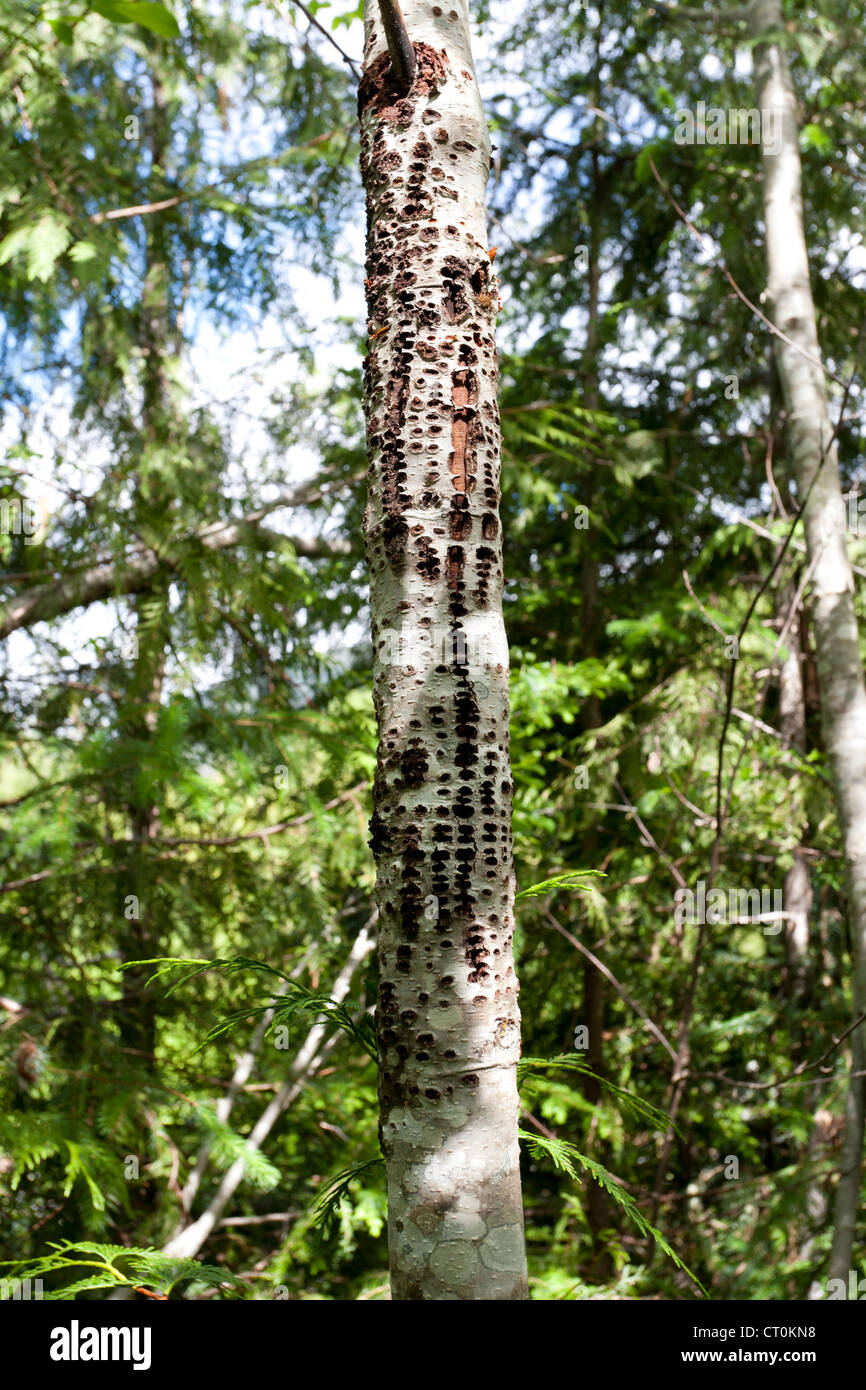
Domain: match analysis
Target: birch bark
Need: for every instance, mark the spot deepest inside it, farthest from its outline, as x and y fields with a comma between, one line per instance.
x=447, y=1016
x=843, y=695
x=792, y=708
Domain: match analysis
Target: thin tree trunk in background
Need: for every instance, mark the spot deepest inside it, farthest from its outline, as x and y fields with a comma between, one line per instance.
x=447, y=1016
x=798, y=906
x=843, y=695
x=798, y=885
x=817, y=1161
x=797, y=895
x=188, y=1240
x=792, y=719
x=142, y=929
x=224, y=1106
x=140, y=938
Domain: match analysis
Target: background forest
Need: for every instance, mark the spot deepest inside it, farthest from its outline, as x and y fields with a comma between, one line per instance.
x=188, y=739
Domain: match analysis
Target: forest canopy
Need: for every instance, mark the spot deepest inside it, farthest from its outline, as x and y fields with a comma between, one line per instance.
x=387, y=623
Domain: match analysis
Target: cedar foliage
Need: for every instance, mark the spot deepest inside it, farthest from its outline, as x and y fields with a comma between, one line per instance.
x=258, y=759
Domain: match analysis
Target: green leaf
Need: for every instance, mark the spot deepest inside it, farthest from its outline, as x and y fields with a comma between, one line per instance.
x=642, y=167
x=811, y=47
x=93, y=1281
x=568, y=1159
x=82, y=251
x=330, y=1199
x=226, y=1147
x=149, y=1267
x=45, y=245
x=573, y=880
x=14, y=242
x=62, y=29
x=152, y=16
x=349, y=18
x=638, y=1108
x=812, y=137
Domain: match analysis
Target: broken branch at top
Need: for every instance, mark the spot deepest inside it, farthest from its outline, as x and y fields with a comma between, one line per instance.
x=399, y=44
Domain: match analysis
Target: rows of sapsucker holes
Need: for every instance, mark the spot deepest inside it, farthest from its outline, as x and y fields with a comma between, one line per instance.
x=390, y=273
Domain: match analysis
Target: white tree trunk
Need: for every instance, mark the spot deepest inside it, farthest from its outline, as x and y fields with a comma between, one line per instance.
x=448, y=1021
x=843, y=696
x=792, y=708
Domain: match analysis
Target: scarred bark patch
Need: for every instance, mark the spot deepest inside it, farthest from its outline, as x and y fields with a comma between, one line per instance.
x=378, y=91
x=463, y=394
